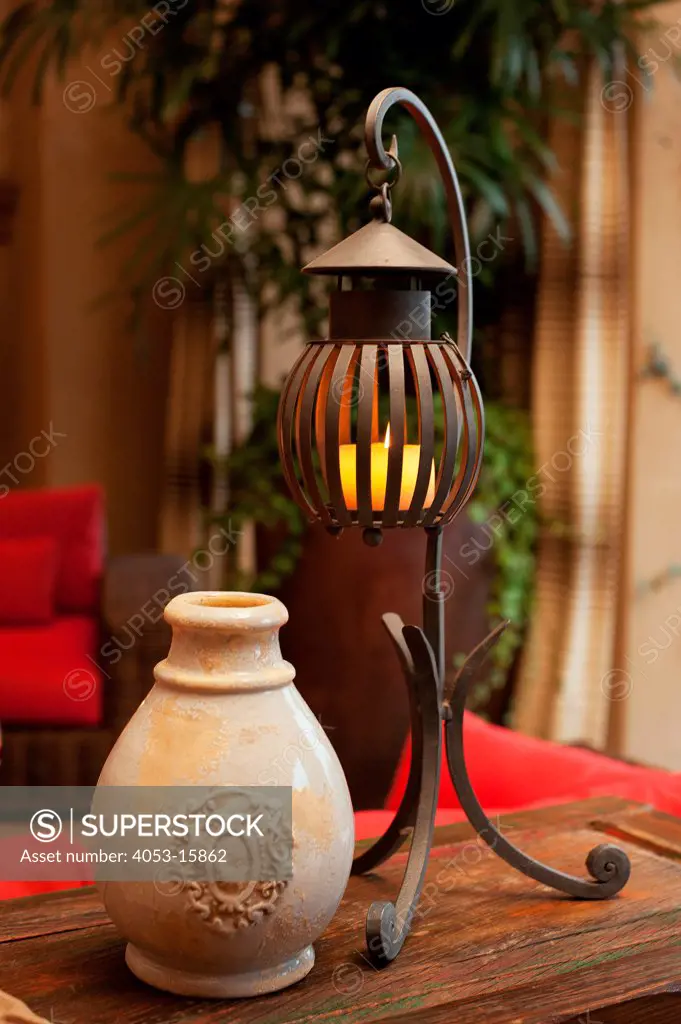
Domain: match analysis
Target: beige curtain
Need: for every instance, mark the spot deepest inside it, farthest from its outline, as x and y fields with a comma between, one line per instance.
x=188, y=425
x=580, y=389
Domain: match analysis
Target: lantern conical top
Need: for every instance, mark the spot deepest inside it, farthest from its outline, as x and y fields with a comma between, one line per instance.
x=378, y=248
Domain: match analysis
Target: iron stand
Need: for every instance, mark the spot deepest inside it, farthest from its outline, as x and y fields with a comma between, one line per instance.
x=432, y=703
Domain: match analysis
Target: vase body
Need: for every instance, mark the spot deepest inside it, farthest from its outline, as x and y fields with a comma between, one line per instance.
x=224, y=712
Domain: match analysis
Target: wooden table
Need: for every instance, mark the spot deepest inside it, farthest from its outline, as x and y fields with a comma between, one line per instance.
x=488, y=946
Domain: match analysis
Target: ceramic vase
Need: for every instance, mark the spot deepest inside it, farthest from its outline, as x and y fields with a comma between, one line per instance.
x=224, y=712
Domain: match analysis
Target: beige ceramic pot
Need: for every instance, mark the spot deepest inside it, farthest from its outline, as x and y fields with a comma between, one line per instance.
x=224, y=712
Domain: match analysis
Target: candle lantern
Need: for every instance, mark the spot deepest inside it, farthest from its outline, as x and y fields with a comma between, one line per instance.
x=381, y=426
x=358, y=414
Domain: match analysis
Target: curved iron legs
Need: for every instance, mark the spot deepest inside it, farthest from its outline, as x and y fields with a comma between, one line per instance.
x=387, y=923
x=420, y=655
x=401, y=827
x=607, y=864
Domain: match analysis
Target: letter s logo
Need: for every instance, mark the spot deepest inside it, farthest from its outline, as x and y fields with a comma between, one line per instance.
x=46, y=826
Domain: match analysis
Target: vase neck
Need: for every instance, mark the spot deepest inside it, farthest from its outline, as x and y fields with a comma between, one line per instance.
x=225, y=642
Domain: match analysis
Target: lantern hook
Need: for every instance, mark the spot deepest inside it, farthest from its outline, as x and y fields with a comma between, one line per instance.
x=382, y=159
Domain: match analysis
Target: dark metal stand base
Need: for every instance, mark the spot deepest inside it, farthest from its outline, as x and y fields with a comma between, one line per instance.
x=421, y=653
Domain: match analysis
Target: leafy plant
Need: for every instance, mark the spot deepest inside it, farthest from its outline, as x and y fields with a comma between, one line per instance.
x=490, y=70
x=509, y=530
x=258, y=494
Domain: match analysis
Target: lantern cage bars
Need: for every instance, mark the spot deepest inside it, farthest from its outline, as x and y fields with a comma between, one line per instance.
x=344, y=399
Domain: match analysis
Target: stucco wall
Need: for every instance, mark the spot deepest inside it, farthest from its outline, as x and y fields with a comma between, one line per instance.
x=64, y=363
x=651, y=671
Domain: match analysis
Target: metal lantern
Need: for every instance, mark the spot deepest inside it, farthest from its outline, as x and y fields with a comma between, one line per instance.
x=358, y=413
x=361, y=447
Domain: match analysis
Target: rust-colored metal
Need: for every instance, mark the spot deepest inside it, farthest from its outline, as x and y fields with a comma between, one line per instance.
x=363, y=315
x=416, y=355
x=342, y=403
x=305, y=417
x=367, y=415
x=379, y=158
x=398, y=428
x=288, y=405
x=332, y=419
x=378, y=248
x=380, y=356
x=337, y=385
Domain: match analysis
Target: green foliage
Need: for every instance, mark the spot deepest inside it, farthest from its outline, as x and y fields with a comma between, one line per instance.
x=490, y=70
x=258, y=494
x=509, y=531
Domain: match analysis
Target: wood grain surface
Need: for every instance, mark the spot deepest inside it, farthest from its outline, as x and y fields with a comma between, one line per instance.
x=488, y=946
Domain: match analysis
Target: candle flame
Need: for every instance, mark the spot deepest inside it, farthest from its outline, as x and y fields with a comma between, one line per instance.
x=386, y=443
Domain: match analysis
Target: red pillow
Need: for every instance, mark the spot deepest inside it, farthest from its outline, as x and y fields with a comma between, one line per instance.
x=74, y=516
x=510, y=771
x=28, y=580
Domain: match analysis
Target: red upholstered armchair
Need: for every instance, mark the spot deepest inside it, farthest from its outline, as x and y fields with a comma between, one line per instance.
x=512, y=772
x=79, y=636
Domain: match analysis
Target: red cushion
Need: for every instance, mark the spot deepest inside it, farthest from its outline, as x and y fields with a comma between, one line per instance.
x=74, y=517
x=510, y=771
x=12, y=890
x=28, y=576
x=369, y=824
x=46, y=674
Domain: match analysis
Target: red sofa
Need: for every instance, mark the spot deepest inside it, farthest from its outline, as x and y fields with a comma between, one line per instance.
x=52, y=559
x=510, y=772
x=79, y=634
x=79, y=637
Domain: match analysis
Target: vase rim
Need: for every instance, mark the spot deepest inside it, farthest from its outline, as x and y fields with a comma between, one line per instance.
x=225, y=609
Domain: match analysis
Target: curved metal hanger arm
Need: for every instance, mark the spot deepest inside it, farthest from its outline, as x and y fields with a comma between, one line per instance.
x=382, y=160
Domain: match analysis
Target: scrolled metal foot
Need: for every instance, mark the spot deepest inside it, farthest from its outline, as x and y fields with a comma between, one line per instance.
x=388, y=924
x=384, y=936
x=607, y=864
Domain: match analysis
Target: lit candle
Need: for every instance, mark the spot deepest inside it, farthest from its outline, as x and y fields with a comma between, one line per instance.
x=411, y=455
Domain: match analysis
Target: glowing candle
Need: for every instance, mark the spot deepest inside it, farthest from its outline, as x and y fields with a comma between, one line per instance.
x=411, y=455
